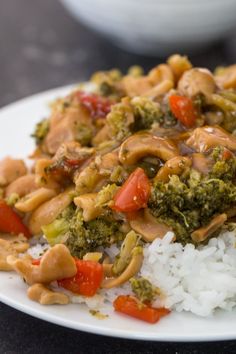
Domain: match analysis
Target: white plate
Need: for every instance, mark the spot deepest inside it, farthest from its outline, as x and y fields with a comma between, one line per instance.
x=16, y=124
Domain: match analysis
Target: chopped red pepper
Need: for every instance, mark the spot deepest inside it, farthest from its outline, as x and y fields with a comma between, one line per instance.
x=87, y=279
x=98, y=106
x=10, y=221
x=134, y=193
x=131, y=306
x=183, y=109
x=227, y=154
x=36, y=261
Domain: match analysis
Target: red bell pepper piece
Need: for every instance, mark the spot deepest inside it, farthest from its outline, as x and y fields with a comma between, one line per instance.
x=183, y=109
x=10, y=221
x=134, y=193
x=131, y=306
x=87, y=279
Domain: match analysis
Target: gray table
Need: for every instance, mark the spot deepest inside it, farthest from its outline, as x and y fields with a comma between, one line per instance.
x=41, y=48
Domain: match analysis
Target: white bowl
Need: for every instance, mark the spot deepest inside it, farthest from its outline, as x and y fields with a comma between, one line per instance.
x=157, y=26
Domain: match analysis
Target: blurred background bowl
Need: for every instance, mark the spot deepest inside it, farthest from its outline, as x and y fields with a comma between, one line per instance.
x=157, y=26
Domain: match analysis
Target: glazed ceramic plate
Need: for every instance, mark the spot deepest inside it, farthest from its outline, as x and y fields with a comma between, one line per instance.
x=16, y=124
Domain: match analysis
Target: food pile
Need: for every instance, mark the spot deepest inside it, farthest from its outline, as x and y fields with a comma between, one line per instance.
x=132, y=185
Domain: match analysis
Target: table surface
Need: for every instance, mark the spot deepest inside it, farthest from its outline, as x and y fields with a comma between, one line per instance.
x=43, y=47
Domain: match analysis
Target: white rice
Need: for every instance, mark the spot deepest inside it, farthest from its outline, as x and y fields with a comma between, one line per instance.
x=199, y=280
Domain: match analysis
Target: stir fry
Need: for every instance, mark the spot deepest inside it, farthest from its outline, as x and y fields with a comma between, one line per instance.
x=136, y=156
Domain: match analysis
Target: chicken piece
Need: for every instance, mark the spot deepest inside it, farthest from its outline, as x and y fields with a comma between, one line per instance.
x=48, y=211
x=226, y=77
x=147, y=226
x=56, y=263
x=72, y=151
x=67, y=129
x=101, y=136
x=68, y=159
x=195, y=81
x=10, y=170
x=205, y=138
x=34, y=199
x=87, y=179
x=11, y=245
x=40, y=293
x=106, y=163
x=87, y=202
x=174, y=166
x=22, y=186
x=145, y=144
x=204, y=232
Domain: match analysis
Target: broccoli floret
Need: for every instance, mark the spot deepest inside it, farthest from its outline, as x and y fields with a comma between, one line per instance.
x=12, y=199
x=106, y=194
x=135, y=71
x=143, y=289
x=119, y=120
x=41, y=131
x=84, y=134
x=224, y=169
x=57, y=231
x=190, y=204
x=79, y=236
x=107, y=83
x=146, y=112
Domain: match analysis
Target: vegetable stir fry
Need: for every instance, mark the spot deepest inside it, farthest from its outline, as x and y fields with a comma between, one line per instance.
x=141, y=155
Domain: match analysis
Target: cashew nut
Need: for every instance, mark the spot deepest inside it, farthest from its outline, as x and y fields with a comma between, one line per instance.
x=160, y=73
x=22, y=186
x=10, y=170
x=48, y=211
x=34, y=199
x=87, y=202
x=174, y=166
x=160, y=89
x=11, y=246
x=56, y=263
x=45, y=296
x=226, y=77
x=135, y=86
x=178, y=64
x=144, y=144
